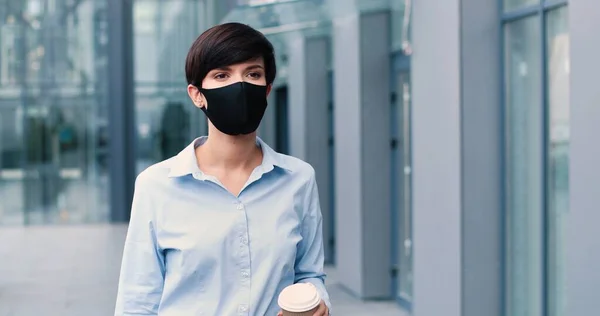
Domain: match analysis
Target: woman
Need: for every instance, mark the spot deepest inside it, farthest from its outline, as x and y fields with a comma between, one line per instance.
x=221, y=228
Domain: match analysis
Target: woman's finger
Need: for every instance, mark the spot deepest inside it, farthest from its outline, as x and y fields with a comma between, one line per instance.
x=322, y=310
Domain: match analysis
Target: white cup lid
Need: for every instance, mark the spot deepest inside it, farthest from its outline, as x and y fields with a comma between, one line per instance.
x=300, y=297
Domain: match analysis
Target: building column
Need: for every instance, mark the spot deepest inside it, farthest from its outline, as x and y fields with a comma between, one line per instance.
x=457, y=157
x=361, y=57
x=309, y=95
x=583, y=244
x=121, y=109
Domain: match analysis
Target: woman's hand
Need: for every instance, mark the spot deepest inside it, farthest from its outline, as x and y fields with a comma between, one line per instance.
x=322, y=310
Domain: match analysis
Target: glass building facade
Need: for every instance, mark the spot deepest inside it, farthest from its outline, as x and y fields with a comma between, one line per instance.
x=401, y=159
x=53, y=105
x=440, y=131
x=536, y=56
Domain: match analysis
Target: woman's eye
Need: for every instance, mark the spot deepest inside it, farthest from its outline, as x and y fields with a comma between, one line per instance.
x=220, y=76
x=254, y=75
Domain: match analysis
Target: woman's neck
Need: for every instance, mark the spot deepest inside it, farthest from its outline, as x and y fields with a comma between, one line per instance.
x=222, y=151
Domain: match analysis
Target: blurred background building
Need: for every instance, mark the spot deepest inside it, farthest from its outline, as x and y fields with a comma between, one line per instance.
x=455, y=176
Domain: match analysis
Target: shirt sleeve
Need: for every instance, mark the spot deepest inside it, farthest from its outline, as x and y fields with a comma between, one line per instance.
x=143, y=265
x=310, y=257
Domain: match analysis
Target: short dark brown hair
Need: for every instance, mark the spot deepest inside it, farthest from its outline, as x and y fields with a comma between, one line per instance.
x=228, y=44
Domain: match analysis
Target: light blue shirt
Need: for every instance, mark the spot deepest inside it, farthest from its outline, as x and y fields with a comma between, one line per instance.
x=193, y=248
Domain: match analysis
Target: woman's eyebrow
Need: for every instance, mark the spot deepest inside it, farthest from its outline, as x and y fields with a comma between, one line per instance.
x=222, y=69
x=254, y=67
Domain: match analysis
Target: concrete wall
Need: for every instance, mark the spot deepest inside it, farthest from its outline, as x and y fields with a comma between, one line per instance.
x=437, y=225
x=482, y=150
x=309, y=114
x=457, y=143
x=362, y=152
x=583, y=244
x=347, y=133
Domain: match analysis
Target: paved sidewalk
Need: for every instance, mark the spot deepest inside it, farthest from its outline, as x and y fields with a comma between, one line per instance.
x=73, y=271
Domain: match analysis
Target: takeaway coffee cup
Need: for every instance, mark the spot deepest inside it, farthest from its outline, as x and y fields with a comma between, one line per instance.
x=300, y=299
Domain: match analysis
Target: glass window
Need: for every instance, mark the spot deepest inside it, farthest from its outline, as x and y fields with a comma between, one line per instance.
x=330, y=250
x=518, y=4
x=53, y=144
x=401, y=184
x=558, y=154
x=166, y=119
x=401, y=153
x=524, y=150
x=400, y=23
x=282, y=131
x=405, y=251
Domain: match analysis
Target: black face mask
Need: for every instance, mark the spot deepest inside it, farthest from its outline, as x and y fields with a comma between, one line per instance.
x=236, y=109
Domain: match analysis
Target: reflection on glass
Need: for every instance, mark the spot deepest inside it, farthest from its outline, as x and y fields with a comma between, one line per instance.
x=52, y=149
x=274, y=18
x=558, y=155
x=166, y=120
x=524, y=188
x=400, y=23
x=402, y=168
x=405, y=261
x=518, y=4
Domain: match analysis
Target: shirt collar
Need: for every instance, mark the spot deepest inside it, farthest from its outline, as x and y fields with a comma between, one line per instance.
x=185, y=162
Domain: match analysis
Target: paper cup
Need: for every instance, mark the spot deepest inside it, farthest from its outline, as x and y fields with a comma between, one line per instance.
x=300, y=299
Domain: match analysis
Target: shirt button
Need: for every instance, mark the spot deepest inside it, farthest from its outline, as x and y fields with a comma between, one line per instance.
x=244, y=240
x=243, y=308
x=240, y=207
x=245, y=275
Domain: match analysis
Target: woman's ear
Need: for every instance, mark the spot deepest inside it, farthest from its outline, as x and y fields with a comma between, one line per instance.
x=196, y=96
x=269, y=87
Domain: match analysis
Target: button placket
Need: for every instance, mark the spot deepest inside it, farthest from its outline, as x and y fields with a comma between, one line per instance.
x=244, y=260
